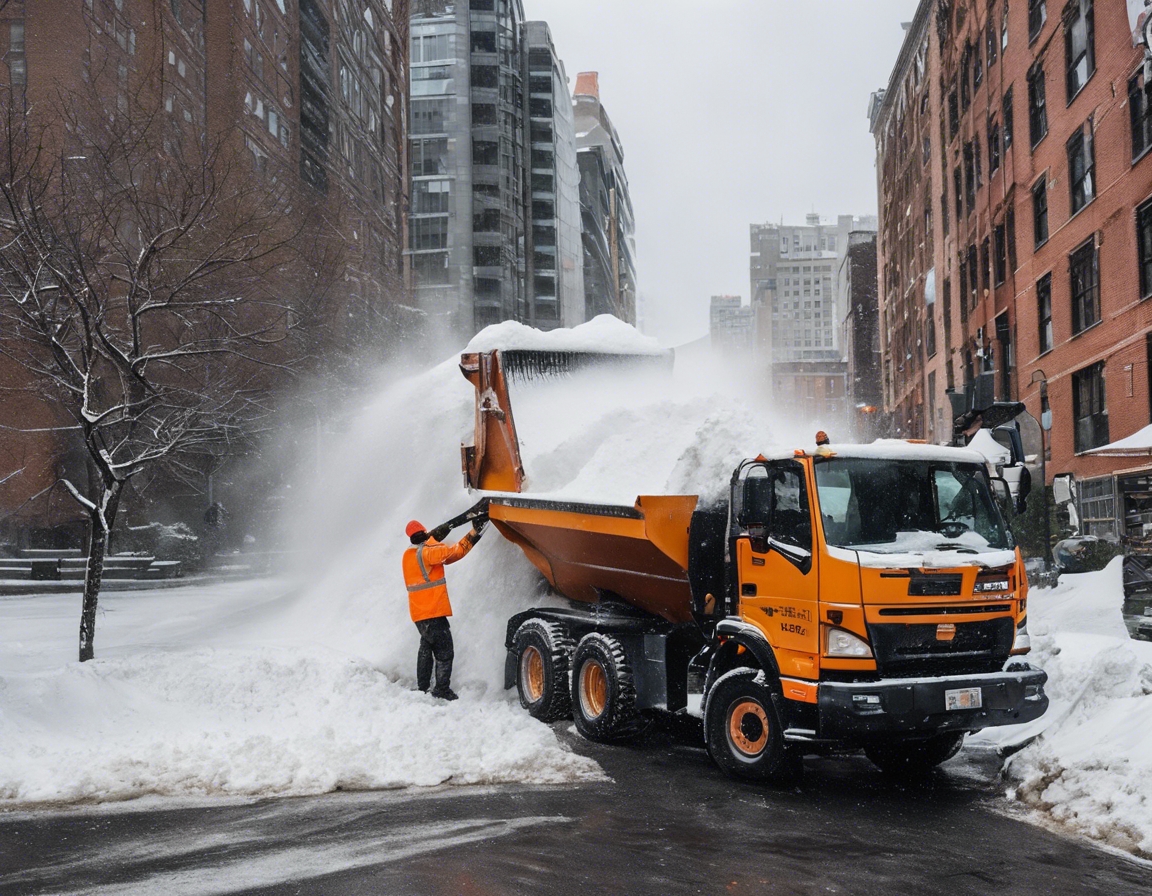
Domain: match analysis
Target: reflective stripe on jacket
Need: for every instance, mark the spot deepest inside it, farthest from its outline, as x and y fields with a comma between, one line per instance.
x=424, y=576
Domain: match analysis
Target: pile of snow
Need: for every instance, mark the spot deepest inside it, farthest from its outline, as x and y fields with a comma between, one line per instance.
x=1090, y=770
x=183, y=702
x=606, y=334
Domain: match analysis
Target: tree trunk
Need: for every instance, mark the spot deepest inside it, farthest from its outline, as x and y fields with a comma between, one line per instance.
x=101, y=520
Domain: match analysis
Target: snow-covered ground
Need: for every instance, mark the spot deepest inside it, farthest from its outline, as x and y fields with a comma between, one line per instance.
x=187, y=697
x=1090, y=770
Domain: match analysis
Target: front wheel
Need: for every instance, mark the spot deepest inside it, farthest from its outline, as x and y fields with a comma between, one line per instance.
x=743, y=729
x=914, y=757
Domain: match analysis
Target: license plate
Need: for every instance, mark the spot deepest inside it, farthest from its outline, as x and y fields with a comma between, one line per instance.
x=963, y=698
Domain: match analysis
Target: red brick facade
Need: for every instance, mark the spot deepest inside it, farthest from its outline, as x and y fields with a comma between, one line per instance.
x=957, y=166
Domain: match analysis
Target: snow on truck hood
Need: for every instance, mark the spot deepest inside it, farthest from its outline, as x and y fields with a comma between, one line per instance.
x=922, y=559
x=603, y=334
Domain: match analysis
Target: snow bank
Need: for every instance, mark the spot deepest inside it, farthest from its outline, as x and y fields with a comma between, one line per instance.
x=1090, y=770
x=184, y=702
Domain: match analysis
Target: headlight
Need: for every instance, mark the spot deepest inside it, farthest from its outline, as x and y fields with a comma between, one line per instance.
x=1023, y=643
x=842, y=643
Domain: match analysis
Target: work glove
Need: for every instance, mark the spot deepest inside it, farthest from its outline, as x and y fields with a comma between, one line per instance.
x=478, y=526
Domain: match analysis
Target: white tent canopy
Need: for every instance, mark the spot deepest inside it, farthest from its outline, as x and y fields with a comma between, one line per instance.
x=1139, y=444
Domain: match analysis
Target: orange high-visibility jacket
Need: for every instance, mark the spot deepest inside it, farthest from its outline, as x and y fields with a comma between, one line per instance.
x=424, y=575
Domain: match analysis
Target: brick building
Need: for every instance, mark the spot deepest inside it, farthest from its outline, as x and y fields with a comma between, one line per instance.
x=1016, y=223
x=316, y=89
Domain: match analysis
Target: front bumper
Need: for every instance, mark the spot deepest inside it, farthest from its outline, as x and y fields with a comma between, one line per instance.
x=917, y=705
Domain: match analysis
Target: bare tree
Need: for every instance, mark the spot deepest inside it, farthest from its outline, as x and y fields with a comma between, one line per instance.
x=154, y=286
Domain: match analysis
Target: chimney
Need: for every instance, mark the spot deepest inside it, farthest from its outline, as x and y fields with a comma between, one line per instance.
x=587, y=84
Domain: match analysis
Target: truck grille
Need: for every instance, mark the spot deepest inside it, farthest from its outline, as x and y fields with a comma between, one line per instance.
x=908, y=649
x=935, y=585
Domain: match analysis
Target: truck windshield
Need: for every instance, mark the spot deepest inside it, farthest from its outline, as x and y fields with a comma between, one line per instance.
x=896, y=506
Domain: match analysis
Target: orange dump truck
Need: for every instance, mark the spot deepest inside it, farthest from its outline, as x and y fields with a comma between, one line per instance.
x=860, y=596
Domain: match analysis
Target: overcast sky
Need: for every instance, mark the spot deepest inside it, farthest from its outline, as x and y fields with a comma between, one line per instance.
x=730, y=111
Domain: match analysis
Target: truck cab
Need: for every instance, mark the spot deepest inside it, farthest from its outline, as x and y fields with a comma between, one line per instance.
x=879, y=589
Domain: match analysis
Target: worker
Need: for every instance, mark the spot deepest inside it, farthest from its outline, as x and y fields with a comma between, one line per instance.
x=428, y=600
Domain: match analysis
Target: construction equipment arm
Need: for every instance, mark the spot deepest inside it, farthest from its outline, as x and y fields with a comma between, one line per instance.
x=477, y=513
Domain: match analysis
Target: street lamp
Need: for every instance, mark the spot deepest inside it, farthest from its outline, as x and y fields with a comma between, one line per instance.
x=1045, y=426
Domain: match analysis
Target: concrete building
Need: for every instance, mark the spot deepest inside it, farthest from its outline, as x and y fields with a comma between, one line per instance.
x=731, y=326
x=860, y=336
x=555, y=278
x=315, y=89
x=467, y=158
x=606, y=207
x=793, y=272
x=1019, y=136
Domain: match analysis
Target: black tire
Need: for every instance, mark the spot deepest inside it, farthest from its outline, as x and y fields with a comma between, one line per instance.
x=543, y=650
x=603, y=690
x=912, y=758
x=743, y=730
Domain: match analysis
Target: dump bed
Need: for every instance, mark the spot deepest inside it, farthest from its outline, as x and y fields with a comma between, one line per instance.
x=638, y=553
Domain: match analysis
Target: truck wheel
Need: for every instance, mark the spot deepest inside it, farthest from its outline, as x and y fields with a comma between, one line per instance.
x=603, y=691
x=743, y=729
x=914, y=757
x=542, y=651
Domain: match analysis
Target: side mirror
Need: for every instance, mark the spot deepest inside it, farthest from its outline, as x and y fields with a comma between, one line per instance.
x=1023, y=489
x=756, y=509
x=1002, y=492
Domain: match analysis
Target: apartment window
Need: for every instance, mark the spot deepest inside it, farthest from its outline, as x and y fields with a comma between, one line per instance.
x=999, y=255
x=973, y=275
x=486, y=220
x=431, y=269
x=429, y=233
x=1090, y=407
x=1040, y=211
x=1081, y=167
x=17, y=62
x=953, y=114
x=1010, y=227
x=485, y=152
x=969, y=178
x=1079, y=55
x=430, y=197
x=484, y=42
x=430, y=157
x=963, y=284
x=985, y=262
x=977, y=66
x=486, y=256
x=1144, y=247
x=1037, y=113
x=430, y=116
x=993, y=147
x=1037, y=16
x=1097, y=499
x=1007, y=116
x=958, y=183
x=1140, y=112
x=965, y=82
x=1004, y=27
x=1085, y=282
x=485, y=76
x=1044, y=311
x=484, y=113
x=944, y=220
x=990, y=42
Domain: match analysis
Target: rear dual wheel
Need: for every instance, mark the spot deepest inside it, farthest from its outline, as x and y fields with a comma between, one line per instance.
x=543, y=650
x=603, y=690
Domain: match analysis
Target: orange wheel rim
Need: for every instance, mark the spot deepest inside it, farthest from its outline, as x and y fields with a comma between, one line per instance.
x=593, y=689
x=532, y=674
x=748, y=727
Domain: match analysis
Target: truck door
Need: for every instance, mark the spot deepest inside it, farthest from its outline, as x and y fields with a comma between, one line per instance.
x=777, y=569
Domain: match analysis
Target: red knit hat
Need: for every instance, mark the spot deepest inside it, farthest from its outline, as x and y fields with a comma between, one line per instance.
x=413, y=527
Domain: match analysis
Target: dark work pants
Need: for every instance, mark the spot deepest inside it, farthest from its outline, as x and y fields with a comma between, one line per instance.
x=435, y=641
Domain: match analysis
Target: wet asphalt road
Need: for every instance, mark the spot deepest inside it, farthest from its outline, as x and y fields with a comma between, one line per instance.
x=669, y=822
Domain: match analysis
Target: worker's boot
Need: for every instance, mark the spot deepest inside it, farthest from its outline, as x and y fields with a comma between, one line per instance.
x=445, y=694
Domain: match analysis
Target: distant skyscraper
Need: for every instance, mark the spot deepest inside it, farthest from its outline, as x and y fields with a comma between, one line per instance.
x=467, y=226
x=793, y=279
x=731, y=325
x=609, y=242
x=555, y=257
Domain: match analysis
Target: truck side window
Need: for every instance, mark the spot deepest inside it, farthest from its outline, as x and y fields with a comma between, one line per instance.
x=791, y=522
